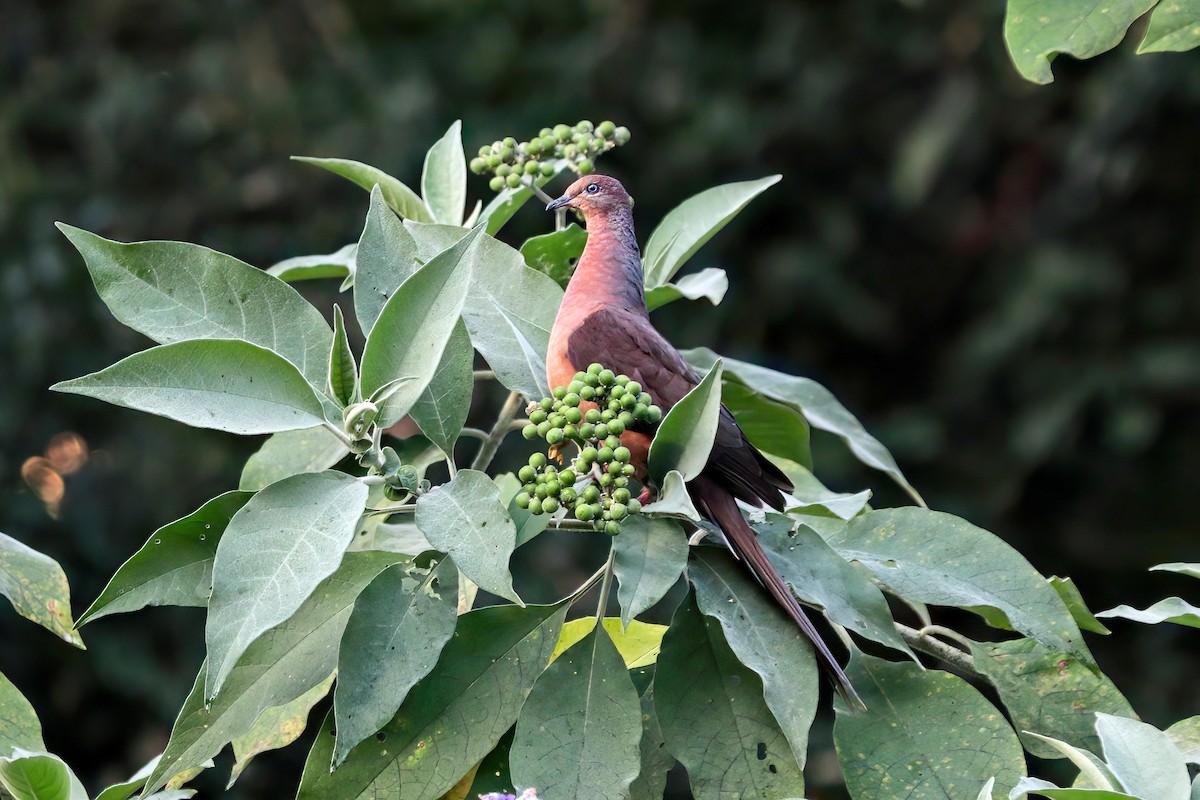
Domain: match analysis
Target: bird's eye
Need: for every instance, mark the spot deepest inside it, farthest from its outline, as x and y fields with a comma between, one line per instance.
x=592, y=188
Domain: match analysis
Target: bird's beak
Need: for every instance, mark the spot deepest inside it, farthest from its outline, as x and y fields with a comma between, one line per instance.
x=561, y=202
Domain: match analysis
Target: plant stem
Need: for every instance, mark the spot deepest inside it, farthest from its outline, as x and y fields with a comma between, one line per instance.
x=605, y=585
x=588, y=584
x=487, y=451
x=474, y=433
x=483, y=375
x=921, y=640
x=342, y=436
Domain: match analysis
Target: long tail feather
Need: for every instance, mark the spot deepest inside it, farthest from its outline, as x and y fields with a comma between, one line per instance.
x=718, y=504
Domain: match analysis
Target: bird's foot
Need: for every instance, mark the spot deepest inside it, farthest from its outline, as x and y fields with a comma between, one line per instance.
x=646, y=496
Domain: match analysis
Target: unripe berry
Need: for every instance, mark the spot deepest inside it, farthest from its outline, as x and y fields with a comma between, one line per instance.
x=570, y=431
x=545, y=132
x=544, y=427
x=589, y=455
x=628, y=401
x=616, y=427
x=604, y=455
x=600, y=431
x=592, y=415
x=559, y=392
x=514, y=181
x=496, y=184
x=614, y=468
x=547, y=169
x=478, y=165
x=605, y=479
x=612, y=528
x=574, y=416
x=622, y=454
x=617, y=511
x=621, y=496
x=554, y=436
x=532, y=167
x=537, y=460
x=534, y=146
x=535, y=506
x=538, y=416
x=568, y=477
x=595, y=369
x=575, y=386
x=578, y=466
x=584, y=126
x=653, y=414
x=540, y=492
x=506, y=153
x=546, y=403
x=529, y=431
x=621, y=135
x=633, y=387
x=587, y=430
x=522, y=500
x=570, y=151
x=625, y=418
x=621, y=481
x=587, y=393
x=503, y=171
x=629, y=469
x=493, y=161
x=633, y=506
x=613, y=441
x=553, y=487
x=584, y=512
x=527, y=473
x=568, y=496
x=571, y=400
x=485, y=151
x=549, y=505
x=529, y=488
x=606, y=129
x=562, y=132
x=586, y=167
x=590, y=494
x=607, y=377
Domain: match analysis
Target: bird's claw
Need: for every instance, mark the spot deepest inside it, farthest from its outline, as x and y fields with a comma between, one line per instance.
x=646, y=496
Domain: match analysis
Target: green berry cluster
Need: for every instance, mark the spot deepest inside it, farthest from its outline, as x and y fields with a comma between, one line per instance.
x=595, y=486
x=514, y=163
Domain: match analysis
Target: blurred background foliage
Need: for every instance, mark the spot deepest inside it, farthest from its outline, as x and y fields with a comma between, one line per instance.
x=1002, y=280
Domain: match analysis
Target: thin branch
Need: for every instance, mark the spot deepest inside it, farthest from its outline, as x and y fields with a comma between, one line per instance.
x=491, y=444
x=921, y=640
x=342, y=436
x=483, y=375
x=474, y=433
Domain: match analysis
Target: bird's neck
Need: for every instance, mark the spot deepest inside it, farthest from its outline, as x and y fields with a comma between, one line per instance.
x=609, y=272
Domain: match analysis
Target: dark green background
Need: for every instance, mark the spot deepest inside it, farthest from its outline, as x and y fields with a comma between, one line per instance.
x=1001, y=280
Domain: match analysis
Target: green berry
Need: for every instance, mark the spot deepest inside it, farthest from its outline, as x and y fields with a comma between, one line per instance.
x=621, y=496
x=614, y=468
x=622, y=454
x=587, y=393
x=532, y=167
x=644, y=399
x=633, y=506
x=496, y=184
x=586, y=167
x=578, y=466
x=616, y=427
x=620, y=481
x=595, y=369
x=629, y=469
x=612, y=442
x=589, y=455
x=590, y=494
x=509, y=141
x=549, y=505
x=570, y=151
x=537, y=460
x=575, y=386
x=607, y=415
x=571, y=400
x=485, y=151
x=621, y=135
x=545, y=132
x=654, y=414
x=622, y=380
x=574, y=415
x=493, y=161
x=478, y=165
x=549, y=142
x=606, y=129
x=607, y=377
x=560, y=392
x=540, y=492
x=554, y=436
x=546, y=403
x=605, y=479
x=538, y=416
x=584, y=512
x=585, y=126
x=514, y=181
x=628, y=401
x=604, y=455
x=570, y=431
x=503, y=171
x=534, y=146
x=548, y=169
x=553, y=487
x=617, y=511
x=612, y=528
x=592, y=415
x=618, y=391
x=529, y=431
x=562, y=132
x=527, y=473
x=535, y=505
x=587, y=430
x=634, y=388
x=568, y=477
x=558, y=420
x=544, y=427
x=568, y=496
x=523, y=500
x=600, y=431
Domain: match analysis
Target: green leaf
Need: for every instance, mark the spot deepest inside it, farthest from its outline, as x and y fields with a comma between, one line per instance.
x=509, y=311
x=284, y=542
x=693, y=222
x=411, y=333
x=1047, y=789
x=452, y=718
x=673, y=499
x=276, y=727
x=1082, y=615
x=763, y=638
x=225, y=384
x=491, y=775
x=1143, y=758
x=1047, y=692
x=1180, y=567
x=1174, y=26
x=126, y=788
x=1038, y=30
x=466, y=519
x=19, y=726
x=173, y=291
x=649, y=556
x=938, y=558
x=926, y=735
x=579, y=732
x=1186, y=736
x=280, y=666
x=710, y=283
x=818, y=406
x=174, y=566
x=396, y=632
x=291, y=453
x=556, y=254
x=1093, y=772
x=339, y=264
x=713, y=716
x=342, y=382
x=528, y=525
x=656, y=760
x=814, y=499
x=386, y=258
x=37, y=588
x=820, y=576
x=32, y=775
x=444, y=178
x=1172, y=609
x=403, y=200
x=441, y=409
x=638, y=643
x=685, y=436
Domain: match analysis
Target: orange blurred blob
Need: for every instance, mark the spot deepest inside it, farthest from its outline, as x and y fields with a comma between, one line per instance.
x=41, y=476
x=67, y=452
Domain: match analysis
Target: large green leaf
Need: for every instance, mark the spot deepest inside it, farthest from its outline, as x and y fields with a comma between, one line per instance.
x=1143, y=758
x=444, y=178
x=452, y=718
x=656, y=760
x=339, y=264
x=764, y=639
x=685, y=436
x=1038, y=30
x=415, y=324
x=174, y=566
x=466, y=519
x=771, y=426
x=579, y=732
x=1048, y=692
x=133, y=784
x=649, y=556
x=19, y=726
x=818, y=406
x=509, y=311
x=34, y=775
x=403, y=200
x=172, y=291
x=711, y=283
x=226, y=384
x=556, y=254
x=938, y=558
x=714, y=718
x=280, y=666
x=823, y=578
x=37, y=587
x=290, y=453
x=1174, y=26
x=276, y=550
x=693, y=222
x=441, y=409
x=398, y=628
x=1171, y=609
x=638, y=643
x=386, y=258
x=1186, y=735
x=276, y=727
x=927, y=735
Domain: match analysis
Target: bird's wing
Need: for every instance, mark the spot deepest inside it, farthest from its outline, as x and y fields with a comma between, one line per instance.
x=628, y=344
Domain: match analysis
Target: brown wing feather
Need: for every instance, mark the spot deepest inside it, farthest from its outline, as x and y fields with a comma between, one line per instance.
x=627, y=343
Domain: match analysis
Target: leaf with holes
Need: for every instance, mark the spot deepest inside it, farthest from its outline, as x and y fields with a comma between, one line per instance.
x=556, y=254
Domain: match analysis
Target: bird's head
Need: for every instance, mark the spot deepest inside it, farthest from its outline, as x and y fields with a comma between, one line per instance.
x=594, y=195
